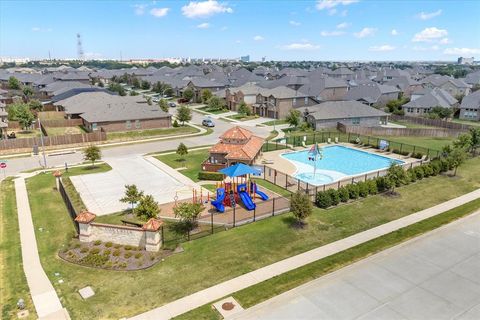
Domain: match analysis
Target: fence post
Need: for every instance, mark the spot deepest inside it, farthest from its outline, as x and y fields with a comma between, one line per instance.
x=298, y=185
x=338, y=185
x=234, y=216
x=348, y=139
x=211, y=220
x=428, y=152
x=401, y=147
x=314, y=137
x=275, y=177
x=188, y=235
x=413, y=149
x=286, y=181
x=163, y=236
x=323, y=137
x=254, y=213
x=273, y=207
x=365, y=177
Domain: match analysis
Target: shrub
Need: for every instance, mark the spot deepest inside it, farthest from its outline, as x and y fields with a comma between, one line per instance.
x=123, y=265
x=323, y=200
x=403, y=152
x=77, y=245
x=108, y=244
x=419, y=172
x=353, y=191
x=127, y=255
x=344, y=195
x=95, y=260
x=84, y=249
x=175, y=124
x=383, y=184
x=444, y=165
x=116, y=253
x=436, y=167
x=138, y=255
x=128, y=248
x=363, y=189
x=94, y=250
x=206, y=175
x=412, y=176
x=372, y=187
x=334, y=196
x=417, y=155
x=97, y=242
x=427, y=170
x=107, y=252
x=117, y=246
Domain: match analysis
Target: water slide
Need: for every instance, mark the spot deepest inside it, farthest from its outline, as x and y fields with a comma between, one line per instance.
x=247, y=201
x=218, y=202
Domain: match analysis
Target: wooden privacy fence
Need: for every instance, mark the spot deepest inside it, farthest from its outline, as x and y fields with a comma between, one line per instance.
x=414, y=132
x=58, y=123
x=431, y=122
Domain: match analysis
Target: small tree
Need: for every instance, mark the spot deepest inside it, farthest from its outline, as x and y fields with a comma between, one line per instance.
x=149, y=101
x=188, y=214
x=474, y=139
x=13, y=83
x=163, y=105
x=27, y=91
x=396, y=175
x=132, y=195
x=136, y=83
x=133, y=93
x=301, y=207
x=188, y=94
x=293, y=118
x=24, y=116
x=184, y=114
x=206, y=95
x=244, y=109
x=35, y=105
x=147, y=208
x=92, y=154
x=457, y=157
x=145, y=85
x=182, y=151
x=215, y=104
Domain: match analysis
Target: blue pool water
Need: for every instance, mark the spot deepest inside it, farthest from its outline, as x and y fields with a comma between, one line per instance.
x=337, y=162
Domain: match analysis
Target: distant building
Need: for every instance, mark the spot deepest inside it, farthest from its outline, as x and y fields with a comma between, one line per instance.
x=463, y=60
x=245, y=58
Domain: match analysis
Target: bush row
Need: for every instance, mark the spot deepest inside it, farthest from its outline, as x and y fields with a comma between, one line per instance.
x=206, y=175
x=332, y=197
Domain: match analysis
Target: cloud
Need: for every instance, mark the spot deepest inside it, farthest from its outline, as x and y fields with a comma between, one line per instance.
x=204, y=9
x=304, y=46
x=204, y=25
x=394, y=32
x=38, y=29
x=331, y=4
x=258, y=38
x=159, y=12
x=343, y=25
x=420, y=48
x=365, y=32
x=334, y=33
x=139, y=9
x=294, y=23
x=430, y=34
x=223, y=28
x=445, y=41
x=382, y=48
x=92, y=55
x=461, y=51
x=429, y=15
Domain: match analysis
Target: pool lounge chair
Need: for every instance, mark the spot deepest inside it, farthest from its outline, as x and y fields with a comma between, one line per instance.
x=329, y=140
x=303, y=144
x=336, y=140
x=268, y=161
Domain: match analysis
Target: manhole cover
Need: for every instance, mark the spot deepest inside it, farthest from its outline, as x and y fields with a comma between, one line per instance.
x=228, y=306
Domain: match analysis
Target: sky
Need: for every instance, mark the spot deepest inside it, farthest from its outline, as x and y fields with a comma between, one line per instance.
x=335, y=30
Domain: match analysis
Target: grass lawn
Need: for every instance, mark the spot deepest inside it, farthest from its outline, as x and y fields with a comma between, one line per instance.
x=192, y=162
x=426, y=142
x=241, y=117
x=276, y=122
x=469, y=122
x=412, y=125
x=20, y=134
x=131, y=135
x=272, y=187
x=255, y=294
x=210, y=187
x=222, y=256
x=13, y=283
x=205, y=109
x=65, y=130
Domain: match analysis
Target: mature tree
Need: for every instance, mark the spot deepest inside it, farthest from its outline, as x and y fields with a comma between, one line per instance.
x=463, y=141
x=101, y=84
x=168, y=91
x=13, y=83
x=133, y=93
x=474, y=139
x=27, y=91
x=116, y=87
x=301, y=207
x=244, y=109
x=92, y=154
x=162, y=88
x=293, y=118
x=132, y=195
x=215, y=104
x=396, y=175
x=163, y=104
x=206, y=95
x=182, y=151
x=188, y=213
x=188, y=94
x=136, y=83
x=440, y=112
x=25, y=117
x=35, y=105
x=457, y=157
x=184, y=114
x=147, y=207
x=145, y=85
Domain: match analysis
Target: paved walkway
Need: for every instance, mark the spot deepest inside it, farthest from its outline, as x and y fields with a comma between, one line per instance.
x=434, y=276
x=226, y=288
x=47, y=304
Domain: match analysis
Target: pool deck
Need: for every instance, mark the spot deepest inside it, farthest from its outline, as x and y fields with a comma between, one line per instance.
x=285, y=166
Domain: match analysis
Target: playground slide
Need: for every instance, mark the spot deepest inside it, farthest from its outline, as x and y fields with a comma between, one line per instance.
x=262, y=194
x=218, y=202
x=247, y=201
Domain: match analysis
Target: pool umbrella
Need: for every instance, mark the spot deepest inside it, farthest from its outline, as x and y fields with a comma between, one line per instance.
x=238, y=170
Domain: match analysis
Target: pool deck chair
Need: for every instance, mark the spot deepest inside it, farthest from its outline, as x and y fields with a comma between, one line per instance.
x=336, y=140
x=267, y=161
x=329, y=140
x=303, y=144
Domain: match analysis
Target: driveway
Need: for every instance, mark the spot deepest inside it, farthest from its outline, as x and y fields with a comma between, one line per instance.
x=436, y=276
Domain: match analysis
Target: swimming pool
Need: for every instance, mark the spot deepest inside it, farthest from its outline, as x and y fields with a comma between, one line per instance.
x=338, y=162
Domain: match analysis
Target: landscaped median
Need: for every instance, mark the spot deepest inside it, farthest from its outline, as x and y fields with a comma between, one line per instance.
x=221, y=256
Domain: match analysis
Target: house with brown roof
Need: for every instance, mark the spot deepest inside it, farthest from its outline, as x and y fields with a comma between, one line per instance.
x=236, y=145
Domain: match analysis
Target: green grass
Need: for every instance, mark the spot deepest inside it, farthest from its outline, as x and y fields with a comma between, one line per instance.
x=412, y=125
x=241, y=117
x=276, y=122
x=192, y=162
x=136, y=134
x=255, y=294
x=13, y=283
x=425, y=142
x=272, y=187
x=210, y=187
x=469, y=122
x=27, y=134
x=206, y=110
x=222, y=256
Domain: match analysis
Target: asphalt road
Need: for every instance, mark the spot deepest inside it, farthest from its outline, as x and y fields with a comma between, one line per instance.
x=435, y=277
x=17, y=165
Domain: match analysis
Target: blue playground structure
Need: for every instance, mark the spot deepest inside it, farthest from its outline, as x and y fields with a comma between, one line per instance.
x=253, y=186
x=218, y=202
x=245, y=197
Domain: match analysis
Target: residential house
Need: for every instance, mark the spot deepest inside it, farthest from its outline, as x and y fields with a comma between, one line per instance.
x=3, y=121
x=473, y=78
x=324, y=88
x=246, y=93
x=406, y=85
x=470, y=107
x=198, y=84
x=341, y=73
x=372, y=94
x=58, y=87
x=421, y=105
x=456, y=87
x=351, y=113
x=236, y=145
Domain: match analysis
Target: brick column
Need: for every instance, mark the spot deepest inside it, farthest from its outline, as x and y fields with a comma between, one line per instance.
x=85, y=229
x=153, y=239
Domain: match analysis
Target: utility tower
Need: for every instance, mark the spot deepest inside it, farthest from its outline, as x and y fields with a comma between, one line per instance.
x=79, y=47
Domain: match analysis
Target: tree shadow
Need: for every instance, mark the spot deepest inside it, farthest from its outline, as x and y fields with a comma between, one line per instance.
x=294, y=223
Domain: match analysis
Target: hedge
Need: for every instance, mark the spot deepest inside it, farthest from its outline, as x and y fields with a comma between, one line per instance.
x=214, y=176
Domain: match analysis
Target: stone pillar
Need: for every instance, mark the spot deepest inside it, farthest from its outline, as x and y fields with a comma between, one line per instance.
x=85, y=229
x=153, y=240
x=57, y=174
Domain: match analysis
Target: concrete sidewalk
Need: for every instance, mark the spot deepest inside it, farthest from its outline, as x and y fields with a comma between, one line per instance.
x=47, y=304
x=226, y=288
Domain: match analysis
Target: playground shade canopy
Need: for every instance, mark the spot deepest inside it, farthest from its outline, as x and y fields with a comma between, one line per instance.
x=238, y=170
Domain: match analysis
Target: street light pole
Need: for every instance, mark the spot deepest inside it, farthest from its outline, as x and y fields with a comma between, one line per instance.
x=43, y=145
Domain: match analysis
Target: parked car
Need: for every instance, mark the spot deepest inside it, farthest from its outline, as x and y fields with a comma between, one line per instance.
x=182, y=100
x=172, y=104
x=208, y=123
